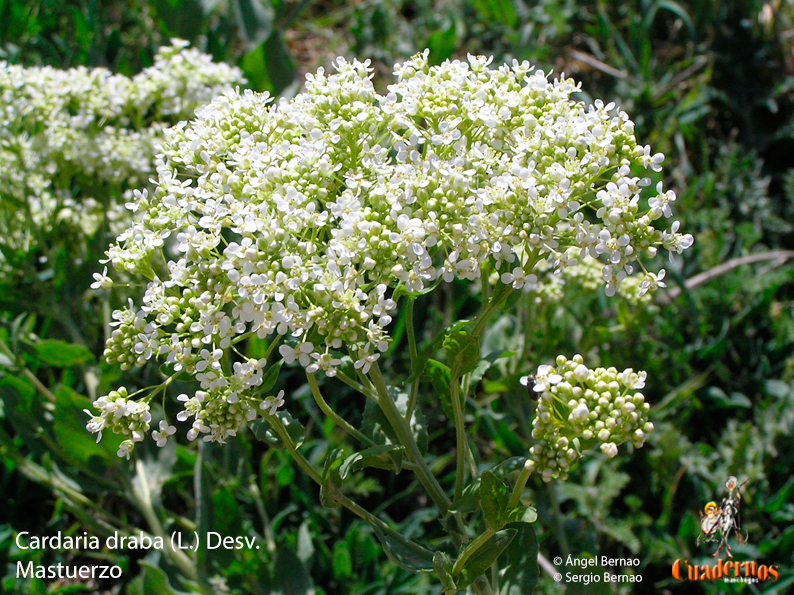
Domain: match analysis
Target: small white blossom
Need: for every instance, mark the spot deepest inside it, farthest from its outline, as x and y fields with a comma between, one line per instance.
x=272, y=404
x=102, y=281
x=161, y=436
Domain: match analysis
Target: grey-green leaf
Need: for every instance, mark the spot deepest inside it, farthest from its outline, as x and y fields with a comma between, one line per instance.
x=484, y=557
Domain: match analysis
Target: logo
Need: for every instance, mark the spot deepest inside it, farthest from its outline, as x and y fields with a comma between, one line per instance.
x=718, y=524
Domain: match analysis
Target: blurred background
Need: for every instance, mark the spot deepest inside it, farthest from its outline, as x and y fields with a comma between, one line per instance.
x=708, y=83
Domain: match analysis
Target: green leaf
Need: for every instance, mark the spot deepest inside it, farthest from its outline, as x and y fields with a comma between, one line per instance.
x=487, y=362
x=440, y=376
x=521, y=562
x=501, y=11
x=22, y=408
x=522, y=515
x=342, y=562
x=280, y=69
x=295, y=430
x=511, y=301
x=484, y=557
x=271, y=377
x=442, y=43
x=369, y=457
x=61, y=354
x=442, y=564
x=428, y=350
x=470, y=498
x=781, y=497
x=401, y=555
x=463, y=351
x=494, y=496
x=156, y=581
x=376, y=426
x=77, y=445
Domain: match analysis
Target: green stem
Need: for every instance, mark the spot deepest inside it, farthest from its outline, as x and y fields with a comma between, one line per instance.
x=460, y=434
x=406, y=438
x=304, y=464
x=337, y=419
x=515, y=496
x=500, y=295
x=356, y=386
x=414, y=391
x=342, y=499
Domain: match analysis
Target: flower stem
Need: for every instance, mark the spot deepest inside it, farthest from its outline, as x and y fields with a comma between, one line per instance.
x=337, y=419
x=523, y=477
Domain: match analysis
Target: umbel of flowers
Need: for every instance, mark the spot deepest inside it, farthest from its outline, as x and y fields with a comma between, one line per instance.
x=304, y=221
x=74, y=142
x=579, y=407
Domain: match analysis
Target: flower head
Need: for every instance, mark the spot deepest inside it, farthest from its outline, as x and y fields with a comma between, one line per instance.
x=303, y=221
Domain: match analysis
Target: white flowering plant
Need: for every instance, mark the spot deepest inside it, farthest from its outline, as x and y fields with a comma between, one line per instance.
x=75, y=143
x=307, y=224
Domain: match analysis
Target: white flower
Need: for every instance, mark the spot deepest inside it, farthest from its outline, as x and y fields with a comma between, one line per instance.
x=545, y=377
x=660, y=204
x=102, y=281
x=125, y=449
x=304, y=221
x=365, y=361
x=272, y=404
x=161, y=436
x=652, y=281
x=518, y=279
x=653, y=161
x=301, y=353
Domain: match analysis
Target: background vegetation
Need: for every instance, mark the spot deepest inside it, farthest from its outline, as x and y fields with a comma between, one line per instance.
x=709, y=83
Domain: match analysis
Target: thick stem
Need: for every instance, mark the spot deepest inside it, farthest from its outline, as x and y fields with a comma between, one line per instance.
x=406, y=438
x=460, y=435
x=414, y=390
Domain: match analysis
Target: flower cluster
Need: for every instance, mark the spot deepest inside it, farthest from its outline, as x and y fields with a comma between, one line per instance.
x=73, y=140
x=123, y=416
x=579, y=408
x=303, y=221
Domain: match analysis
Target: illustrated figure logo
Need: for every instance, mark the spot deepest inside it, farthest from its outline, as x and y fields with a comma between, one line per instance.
x=717, y=522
